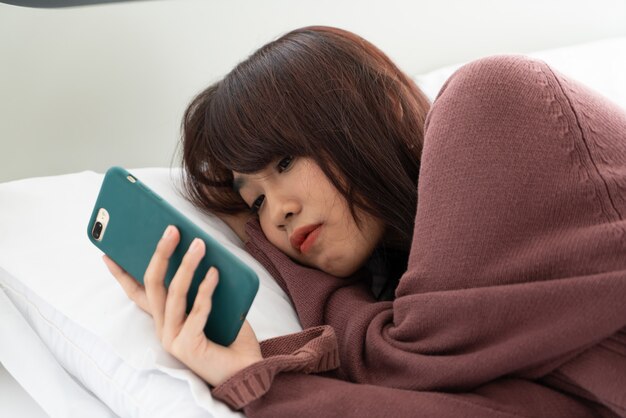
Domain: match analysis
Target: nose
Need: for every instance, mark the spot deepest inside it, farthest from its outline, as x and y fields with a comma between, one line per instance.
x=284, y=210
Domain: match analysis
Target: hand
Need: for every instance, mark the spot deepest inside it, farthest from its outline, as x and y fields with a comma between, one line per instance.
x=182, y=335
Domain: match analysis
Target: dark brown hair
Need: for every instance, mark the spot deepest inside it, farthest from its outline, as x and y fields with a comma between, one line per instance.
x=319, y=92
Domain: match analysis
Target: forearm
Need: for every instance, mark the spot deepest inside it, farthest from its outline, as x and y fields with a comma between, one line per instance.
x=304, y=396
x=313, y=350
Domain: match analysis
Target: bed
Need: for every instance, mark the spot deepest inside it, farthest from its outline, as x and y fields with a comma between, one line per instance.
x=72, y=344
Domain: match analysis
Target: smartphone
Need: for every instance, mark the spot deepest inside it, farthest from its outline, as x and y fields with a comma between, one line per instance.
x=127, y=222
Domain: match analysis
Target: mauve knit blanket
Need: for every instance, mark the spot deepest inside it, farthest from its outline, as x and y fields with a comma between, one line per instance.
x=514, y=299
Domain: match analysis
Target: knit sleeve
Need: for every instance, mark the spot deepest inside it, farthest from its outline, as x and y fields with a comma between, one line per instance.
x=517, y=262
x=313, y=350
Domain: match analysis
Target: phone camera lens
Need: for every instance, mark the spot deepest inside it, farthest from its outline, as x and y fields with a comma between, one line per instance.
x=97, y=230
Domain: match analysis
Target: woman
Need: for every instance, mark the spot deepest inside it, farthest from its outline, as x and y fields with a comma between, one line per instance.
x=464, y=259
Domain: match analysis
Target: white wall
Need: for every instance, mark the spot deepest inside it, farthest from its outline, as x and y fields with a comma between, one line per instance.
x=85, y=88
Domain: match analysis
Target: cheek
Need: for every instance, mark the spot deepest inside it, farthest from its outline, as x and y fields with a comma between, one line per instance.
x=276, y=237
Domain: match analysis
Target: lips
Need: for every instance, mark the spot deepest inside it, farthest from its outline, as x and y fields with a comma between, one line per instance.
x=300, y=235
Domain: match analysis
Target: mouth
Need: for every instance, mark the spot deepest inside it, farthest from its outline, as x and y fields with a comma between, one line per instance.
x=303, y=238
x=310, y=240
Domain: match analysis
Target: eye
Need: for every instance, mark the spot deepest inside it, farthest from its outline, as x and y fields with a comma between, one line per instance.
x=282, y=165
x=256, y=205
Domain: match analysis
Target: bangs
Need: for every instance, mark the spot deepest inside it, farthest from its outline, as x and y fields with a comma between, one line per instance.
x=235, y=143
x=248, y=128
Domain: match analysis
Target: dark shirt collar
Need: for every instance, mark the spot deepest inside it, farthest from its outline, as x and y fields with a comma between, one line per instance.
x=386, y=266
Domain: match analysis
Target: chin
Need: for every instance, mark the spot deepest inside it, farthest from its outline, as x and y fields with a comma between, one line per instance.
x=329, y=267
x=339, y=271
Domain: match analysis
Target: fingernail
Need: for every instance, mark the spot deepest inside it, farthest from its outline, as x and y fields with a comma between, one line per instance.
x=195, y=245
x=167, y=232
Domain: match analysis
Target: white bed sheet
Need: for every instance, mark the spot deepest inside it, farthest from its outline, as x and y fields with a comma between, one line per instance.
x=15, y=401
x=55, y=391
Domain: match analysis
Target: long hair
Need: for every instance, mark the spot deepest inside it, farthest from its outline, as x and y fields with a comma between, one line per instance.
x=319, y=92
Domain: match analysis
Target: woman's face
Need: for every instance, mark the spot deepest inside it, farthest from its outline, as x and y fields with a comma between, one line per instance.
x=292, y=193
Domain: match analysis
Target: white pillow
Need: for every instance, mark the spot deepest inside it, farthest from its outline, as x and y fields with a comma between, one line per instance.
x=600, y=65
x=55, y=277
x=55, y=391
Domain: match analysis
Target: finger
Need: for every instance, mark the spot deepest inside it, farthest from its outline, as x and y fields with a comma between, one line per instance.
x=176, y=303
x=154, y=276
x=134, y=290
x=196, y=320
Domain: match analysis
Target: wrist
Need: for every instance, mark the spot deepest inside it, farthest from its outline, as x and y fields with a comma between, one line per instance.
x=242, y=364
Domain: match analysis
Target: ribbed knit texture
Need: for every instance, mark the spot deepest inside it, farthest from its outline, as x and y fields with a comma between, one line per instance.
x=313, y=350
x=514, y=299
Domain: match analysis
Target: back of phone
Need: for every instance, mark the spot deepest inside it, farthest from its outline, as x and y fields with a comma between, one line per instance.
x=127, y=223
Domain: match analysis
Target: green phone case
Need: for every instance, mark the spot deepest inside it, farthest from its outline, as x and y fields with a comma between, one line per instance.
x=137, y=218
